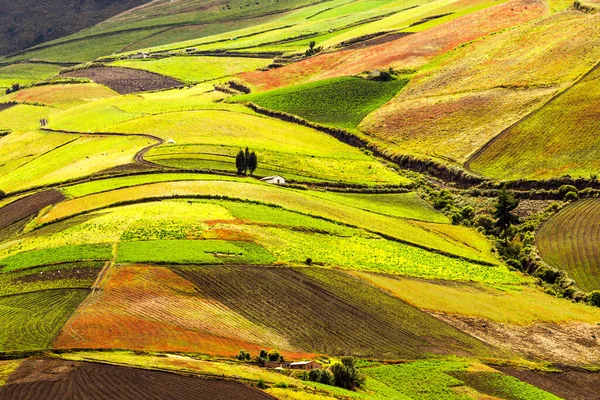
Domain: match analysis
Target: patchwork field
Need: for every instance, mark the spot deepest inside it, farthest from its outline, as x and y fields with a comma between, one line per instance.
x=453, y=241
x=384, y=327
x=409, y=52
x=142, y=254
x=54, y=379
x=452, y=106
x=567, y=241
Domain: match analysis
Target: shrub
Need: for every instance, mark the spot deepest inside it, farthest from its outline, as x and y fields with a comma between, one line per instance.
x=263, y=354
x=320, y=376
x=486, y=222
x=261, y=384
x=442, y=199
x=309, y=261
x=346, y=375
x=2, y=194
x=571, y=196
x=564, y=189
x=273, y=355
x=593, y=298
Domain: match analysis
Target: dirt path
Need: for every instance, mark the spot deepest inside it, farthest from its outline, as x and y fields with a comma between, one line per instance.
x=139, y=157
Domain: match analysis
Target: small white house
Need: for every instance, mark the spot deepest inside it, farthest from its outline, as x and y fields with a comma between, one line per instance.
x=171, y=141
x=277, y=180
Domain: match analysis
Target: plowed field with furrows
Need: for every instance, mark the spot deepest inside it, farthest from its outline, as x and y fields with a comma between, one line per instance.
x=152, y=308
x=325, y=311
x=58, y=379
x=569, y=240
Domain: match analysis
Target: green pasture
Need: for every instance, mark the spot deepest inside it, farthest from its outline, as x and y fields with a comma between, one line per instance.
x=192, y=69
x=69, y=253
x=25, y=74
x=340, y=102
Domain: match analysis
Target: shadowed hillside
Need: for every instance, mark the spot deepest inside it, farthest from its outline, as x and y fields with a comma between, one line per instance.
x=27, y=23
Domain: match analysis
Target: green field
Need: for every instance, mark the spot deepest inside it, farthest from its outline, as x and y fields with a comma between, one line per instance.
x=341, y=102
x=567, y=241
x=446, y=380
x=441, y=237
x=196, y=69
x=31, y=321
x=192, y=252
x=55, y=255
x=25, y=74
x=559, y=139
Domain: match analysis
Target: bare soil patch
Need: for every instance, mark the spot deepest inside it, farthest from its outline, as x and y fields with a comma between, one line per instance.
x=6, y=106
x=572, y=343
x=377, y=40
x=58, y=379
x=69, y=273
x=126, y=80
x=572, y=384
x=27, y=206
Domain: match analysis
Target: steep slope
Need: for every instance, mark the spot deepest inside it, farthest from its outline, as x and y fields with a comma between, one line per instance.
x=27, y=23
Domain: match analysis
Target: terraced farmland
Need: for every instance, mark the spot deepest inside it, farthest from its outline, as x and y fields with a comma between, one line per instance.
x=422, y=234
x=30, y=321
x=568, y=241
x=384, y=327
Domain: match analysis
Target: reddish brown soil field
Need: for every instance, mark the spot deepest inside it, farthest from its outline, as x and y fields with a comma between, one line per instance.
x=571, y=384
x=126, y=80
x=152, y=308
x=27, y=206
x=58, y=379
x=408, y=52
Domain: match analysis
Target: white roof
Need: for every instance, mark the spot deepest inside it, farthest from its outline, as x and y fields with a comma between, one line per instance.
x=268, y=178
x=302, y=362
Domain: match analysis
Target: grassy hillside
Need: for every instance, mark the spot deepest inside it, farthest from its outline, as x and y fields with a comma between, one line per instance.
x=27, y=23
x=450, y=110
x=559, y=139
x=566, y=241
x=342, y=102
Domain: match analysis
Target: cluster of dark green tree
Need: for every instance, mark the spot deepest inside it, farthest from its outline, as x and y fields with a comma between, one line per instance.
x=272, y=355
x=515, y=239
x=344, y=374
x=312, y=49
x=245, y=162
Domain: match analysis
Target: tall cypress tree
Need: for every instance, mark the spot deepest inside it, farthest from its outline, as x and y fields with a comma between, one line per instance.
x=240, y=162
x=252, y=163
x=246, y=159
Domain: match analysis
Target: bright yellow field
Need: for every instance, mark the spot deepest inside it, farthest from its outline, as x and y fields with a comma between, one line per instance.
x=521, y=306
